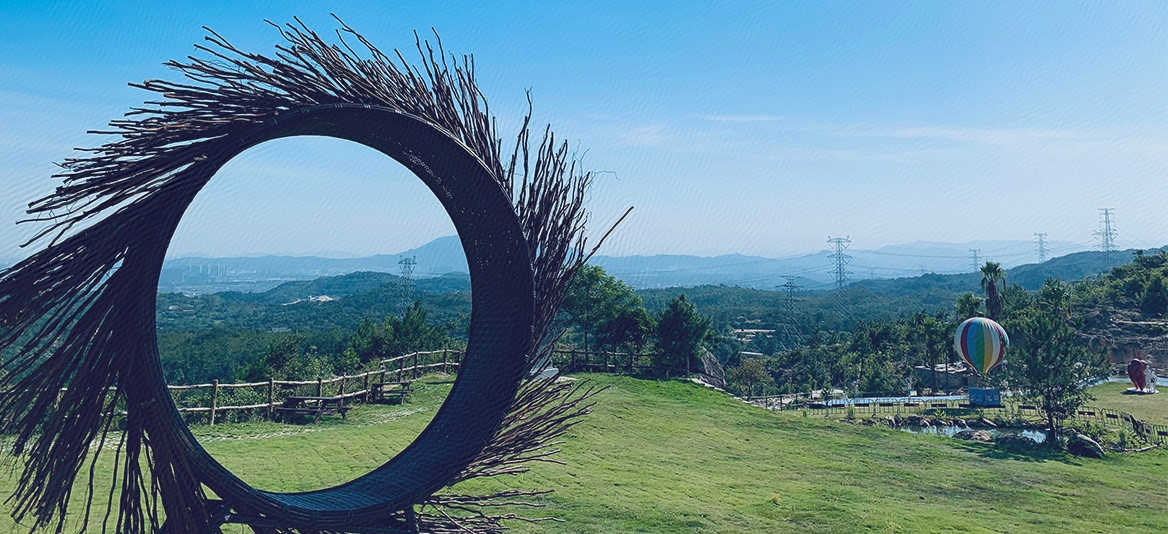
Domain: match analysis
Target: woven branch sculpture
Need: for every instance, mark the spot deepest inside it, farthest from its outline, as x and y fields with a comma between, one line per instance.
x=77, y=318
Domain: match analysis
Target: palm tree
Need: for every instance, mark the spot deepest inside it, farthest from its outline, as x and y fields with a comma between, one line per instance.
x=991, y=273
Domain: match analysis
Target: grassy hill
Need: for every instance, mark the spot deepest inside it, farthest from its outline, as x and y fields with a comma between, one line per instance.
x=672, y=456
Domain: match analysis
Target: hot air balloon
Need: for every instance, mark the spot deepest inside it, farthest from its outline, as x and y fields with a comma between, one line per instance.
x=981, y=343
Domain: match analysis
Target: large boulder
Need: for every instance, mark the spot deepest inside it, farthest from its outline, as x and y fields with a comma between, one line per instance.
x=711, y=371
x=1081, y=445
x=975, y=435
x=1016, y=442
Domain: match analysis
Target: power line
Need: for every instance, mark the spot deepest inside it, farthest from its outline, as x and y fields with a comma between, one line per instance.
x=1106, y=234
x=840, y=259
x=1041, y=246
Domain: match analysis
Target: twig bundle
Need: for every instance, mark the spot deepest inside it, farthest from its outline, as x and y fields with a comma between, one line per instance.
x=66, y=312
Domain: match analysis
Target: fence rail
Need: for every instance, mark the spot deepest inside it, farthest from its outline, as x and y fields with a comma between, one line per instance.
x=1155, y=434
x=212, y=401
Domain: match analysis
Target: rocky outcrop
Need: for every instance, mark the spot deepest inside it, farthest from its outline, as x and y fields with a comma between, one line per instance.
x=1015, y=442
x=712, y=372
x=975, y=435
x=1082, y=445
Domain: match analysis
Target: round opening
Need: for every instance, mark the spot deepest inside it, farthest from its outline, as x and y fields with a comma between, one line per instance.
x=300, y=268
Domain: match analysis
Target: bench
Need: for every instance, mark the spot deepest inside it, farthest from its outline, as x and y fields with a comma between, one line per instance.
x=379, y=391
x=314, y=406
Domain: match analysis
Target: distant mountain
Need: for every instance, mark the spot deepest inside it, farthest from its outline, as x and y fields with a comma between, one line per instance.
x=444, y=255
x=261, y=273
x=335, y=302
x=817, y=270
x=1030, y=276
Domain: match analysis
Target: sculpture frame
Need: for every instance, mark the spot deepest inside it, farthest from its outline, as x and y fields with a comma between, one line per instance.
x=77, y=316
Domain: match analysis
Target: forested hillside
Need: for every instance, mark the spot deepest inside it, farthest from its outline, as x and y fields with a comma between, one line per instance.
x=312, y=328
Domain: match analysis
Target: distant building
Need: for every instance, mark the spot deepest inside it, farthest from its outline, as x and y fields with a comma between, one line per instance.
x=949, y=376
x=745, y=335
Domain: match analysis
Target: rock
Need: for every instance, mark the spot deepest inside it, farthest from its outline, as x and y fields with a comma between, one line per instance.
x=712, y=372
x=1081, y=445
x=916, y=420
x=975, y=435
x=1011, y=441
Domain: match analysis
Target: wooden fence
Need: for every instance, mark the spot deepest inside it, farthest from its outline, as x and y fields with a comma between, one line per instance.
x=568, y=361
x=578, y=361
x=216, y=400
x=1153, y=433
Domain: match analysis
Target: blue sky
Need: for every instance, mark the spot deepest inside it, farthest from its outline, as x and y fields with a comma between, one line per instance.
x=755, y=127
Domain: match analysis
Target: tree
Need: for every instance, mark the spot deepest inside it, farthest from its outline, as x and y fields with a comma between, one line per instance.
x=680, y=334
x=629, y=326
x=968, y=305
x=1051, y=366
x=1055, y=297
x=935, y=336
x=396, y=336
x=605, y=310
x=285, y=359
x=1155, y=299
x=744, y=378
x=991, y=274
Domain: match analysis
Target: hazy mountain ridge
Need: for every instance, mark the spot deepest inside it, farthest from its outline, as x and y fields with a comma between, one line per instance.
x=815, y=270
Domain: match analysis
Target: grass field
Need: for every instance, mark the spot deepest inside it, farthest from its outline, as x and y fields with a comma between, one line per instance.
x=1149, y=408
x=675, y=457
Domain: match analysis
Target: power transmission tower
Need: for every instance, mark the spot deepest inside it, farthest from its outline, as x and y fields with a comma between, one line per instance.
x=1106, y=234
x=975, y=252
x=1041, y=246
x=407, y=265
x=840, y=259
x=790, y=325
x=790, y=288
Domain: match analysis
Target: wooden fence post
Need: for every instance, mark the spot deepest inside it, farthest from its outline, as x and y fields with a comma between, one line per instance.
x=401, y=364
x=415, y=373
x=605, y=361
x=214, y=398
x=341, y=392
x=319, y=387
x=367, y=387
x=443, y=361
x=271, y=396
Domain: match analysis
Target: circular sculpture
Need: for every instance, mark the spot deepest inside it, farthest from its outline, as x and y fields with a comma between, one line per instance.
x=78, y=317
x=499, y=336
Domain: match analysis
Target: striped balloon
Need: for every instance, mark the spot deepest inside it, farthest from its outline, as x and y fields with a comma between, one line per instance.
x=981, y=343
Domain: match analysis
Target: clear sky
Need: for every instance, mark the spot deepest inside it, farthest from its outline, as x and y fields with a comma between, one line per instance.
x=756, y=127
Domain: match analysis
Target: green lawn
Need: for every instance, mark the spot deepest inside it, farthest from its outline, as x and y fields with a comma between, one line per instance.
x=672, y=456
x=1149, y=408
